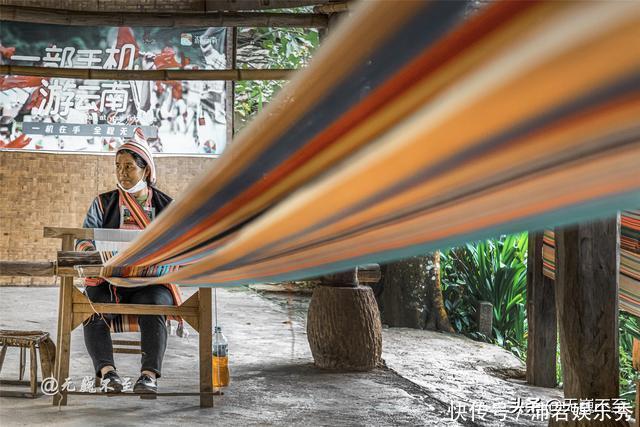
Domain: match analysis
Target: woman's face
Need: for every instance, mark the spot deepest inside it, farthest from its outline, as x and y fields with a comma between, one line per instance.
x=127, y=171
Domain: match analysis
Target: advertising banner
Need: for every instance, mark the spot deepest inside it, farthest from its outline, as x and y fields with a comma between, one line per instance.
x=95, y=115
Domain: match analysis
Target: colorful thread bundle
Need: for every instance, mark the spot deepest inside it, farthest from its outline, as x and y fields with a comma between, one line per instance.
x=412, y=130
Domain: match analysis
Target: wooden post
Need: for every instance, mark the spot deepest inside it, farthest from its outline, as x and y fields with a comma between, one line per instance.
x=484, y=318
x=3, y=353
x=47, y=357
x=204, y=337
x=33, y=369
x=542, y=340
x=63, y=344
x=587, y=305
x=635, y=361
x=333, y=16
x=23, y=363
x=637, y=411
x=230, y=91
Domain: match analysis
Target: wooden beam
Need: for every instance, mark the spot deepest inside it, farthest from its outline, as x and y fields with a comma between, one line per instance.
x=140, y=309
x=61, y=232
x=260, y=4
x=167, y=6
x=158, y=75
x=68, y=260
x=73, y=258
x=27, y=268
x=124, y=350
x=542, y=336
x=348, y=278
x=368, y=273
x=39, y=15
x=587, y=305
x=128, y=394
x=332, y=8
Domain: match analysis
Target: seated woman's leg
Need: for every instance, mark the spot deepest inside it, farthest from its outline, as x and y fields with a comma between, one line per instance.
x=153, y=332
x=97, y=336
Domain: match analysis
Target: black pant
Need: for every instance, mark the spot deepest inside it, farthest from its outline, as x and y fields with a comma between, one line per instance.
x=153, y=332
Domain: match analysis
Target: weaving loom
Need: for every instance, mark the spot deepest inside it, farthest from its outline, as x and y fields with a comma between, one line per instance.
x=74, y=307
x=407, y=120
x=629, y=293
x=108, y=242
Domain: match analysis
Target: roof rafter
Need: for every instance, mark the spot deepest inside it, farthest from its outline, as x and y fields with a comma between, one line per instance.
x=165, y=6
x=166, y=19
x=99, y=74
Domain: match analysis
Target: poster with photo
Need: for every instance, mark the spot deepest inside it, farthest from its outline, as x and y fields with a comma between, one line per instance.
x=96, y=115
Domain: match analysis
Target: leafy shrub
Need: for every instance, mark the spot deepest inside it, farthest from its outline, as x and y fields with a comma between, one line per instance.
x=495, y=271
x=629, y=329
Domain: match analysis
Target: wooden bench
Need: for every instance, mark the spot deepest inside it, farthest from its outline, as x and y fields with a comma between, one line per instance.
x=32, y=340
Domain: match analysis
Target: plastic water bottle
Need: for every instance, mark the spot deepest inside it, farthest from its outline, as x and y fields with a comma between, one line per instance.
x=220, y=359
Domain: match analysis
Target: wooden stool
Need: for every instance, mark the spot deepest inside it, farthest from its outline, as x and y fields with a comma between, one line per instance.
x=31, y=340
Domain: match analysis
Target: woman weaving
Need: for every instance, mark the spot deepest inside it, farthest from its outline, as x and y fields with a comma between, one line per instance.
x=133, y=205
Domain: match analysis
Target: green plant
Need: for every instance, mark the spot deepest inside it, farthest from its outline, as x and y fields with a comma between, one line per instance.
x=494, y=270
x=288, y=48
x=458, y=310
x=629, y=326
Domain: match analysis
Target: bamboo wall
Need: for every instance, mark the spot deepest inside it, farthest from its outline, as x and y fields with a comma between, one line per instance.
x=42, y=189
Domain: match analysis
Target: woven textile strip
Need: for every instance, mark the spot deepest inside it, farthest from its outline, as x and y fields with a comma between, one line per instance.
x=123, y=323
x=413, y=130
x=142, y=221
x=629, y=292
x=630, y=262
x=549, y=254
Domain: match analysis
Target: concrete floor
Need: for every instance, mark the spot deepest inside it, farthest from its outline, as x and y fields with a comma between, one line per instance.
x=274, y=381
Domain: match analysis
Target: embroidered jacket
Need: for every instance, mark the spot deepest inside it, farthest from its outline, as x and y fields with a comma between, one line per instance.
x=105, y=212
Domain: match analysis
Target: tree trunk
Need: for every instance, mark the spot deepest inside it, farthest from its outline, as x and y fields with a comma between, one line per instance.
x=411, y=294
x=437, y=318
x=344, y=329
x=587, y=304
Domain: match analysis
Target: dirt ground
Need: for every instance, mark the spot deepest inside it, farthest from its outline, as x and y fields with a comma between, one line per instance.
x=431, y=379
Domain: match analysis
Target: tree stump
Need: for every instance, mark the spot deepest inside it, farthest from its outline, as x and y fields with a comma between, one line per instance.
x=344, y=328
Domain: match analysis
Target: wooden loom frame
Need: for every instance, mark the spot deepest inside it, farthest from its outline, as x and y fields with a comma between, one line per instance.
x=74, y=308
